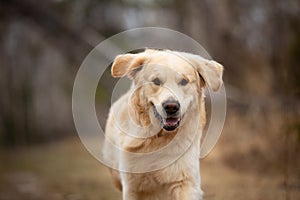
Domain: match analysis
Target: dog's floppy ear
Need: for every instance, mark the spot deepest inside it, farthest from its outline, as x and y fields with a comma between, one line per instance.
x=128, y=64
x=209, y=70
x=212, y=73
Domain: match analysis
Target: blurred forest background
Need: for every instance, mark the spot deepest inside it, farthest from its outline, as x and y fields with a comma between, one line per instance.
x=42, y=44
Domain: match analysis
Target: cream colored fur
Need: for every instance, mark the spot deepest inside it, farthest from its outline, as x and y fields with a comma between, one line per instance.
x=132, y=116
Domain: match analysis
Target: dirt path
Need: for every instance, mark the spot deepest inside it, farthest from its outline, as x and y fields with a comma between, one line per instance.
x=65, y=170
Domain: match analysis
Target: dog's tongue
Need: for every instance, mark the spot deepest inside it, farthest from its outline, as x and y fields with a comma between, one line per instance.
x=171, y=121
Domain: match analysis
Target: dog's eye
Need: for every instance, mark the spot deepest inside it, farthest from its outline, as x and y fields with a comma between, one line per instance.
x=156, y=81
x=183, y=82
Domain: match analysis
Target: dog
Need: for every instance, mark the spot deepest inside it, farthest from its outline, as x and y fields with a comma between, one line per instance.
x=166, y=99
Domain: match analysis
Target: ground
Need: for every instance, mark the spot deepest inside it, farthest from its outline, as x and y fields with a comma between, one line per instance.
x=65, y=170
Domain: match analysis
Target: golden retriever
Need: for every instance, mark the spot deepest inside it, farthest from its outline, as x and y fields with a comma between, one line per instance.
x=166, y=99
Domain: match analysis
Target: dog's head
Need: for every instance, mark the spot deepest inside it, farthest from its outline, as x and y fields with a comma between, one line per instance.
x=167, y=84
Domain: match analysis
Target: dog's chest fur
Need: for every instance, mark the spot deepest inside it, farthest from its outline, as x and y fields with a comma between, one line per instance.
x=173, y=174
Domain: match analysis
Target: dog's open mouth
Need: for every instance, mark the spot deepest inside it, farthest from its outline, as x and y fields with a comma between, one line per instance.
x=171, y=123
x=168, y=123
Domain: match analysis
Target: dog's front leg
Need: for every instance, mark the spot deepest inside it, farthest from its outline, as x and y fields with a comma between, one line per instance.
x=128, y=191
x=130, y=195
x=185, y=191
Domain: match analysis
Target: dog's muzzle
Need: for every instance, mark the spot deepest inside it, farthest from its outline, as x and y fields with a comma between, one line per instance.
x=172, y=112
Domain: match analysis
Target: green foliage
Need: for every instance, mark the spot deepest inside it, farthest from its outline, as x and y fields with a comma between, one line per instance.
x=101, y=95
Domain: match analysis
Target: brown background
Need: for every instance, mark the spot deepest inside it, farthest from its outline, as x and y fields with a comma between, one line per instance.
x=42, y=44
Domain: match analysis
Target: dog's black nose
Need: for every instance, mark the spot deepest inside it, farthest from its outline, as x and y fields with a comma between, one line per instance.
x=171, y=107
